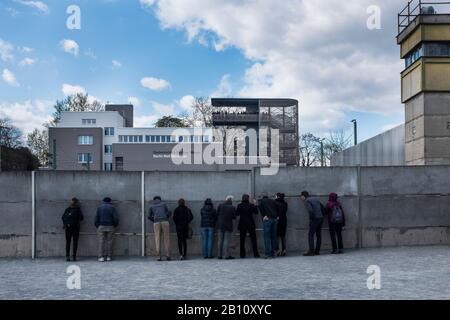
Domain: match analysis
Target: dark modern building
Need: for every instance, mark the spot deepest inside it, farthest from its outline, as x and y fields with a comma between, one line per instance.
x=257, y=114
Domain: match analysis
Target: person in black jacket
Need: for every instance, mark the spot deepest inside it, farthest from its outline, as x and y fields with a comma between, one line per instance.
x=71, y=220
x=207, y=227
x=246, y=210
x=182, y=217
x=227, y=213
x=269, y=209
x=282, y=222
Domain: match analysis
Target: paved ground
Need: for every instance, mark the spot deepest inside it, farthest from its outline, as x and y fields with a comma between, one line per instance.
x=406, y=273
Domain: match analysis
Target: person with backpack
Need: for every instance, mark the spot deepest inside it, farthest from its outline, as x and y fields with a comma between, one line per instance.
x=72, y=218
x=106, y=222
x=182, y=216
x=207, y=227
x=336, y=221
x=316, y=212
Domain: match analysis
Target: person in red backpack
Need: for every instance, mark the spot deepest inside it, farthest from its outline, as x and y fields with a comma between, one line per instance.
x=336, y=221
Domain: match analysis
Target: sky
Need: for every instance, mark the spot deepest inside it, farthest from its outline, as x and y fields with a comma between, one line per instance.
x=160, y=54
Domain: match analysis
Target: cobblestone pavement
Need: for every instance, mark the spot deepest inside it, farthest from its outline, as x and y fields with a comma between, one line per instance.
x=406, y=273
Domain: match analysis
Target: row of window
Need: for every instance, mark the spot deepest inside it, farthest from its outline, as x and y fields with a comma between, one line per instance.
x=88, y=121
x=163, y=139
x=86, y=158
x=428, y=49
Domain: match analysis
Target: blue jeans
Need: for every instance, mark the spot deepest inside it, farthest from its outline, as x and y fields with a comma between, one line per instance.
x=270, y=237
x=224, y=242
x=207, y=241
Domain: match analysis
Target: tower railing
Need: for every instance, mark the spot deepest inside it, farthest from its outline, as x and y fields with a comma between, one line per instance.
x=414, y=8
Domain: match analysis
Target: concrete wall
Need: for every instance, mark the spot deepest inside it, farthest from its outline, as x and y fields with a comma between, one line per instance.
x=385, y=149
x=385, y=206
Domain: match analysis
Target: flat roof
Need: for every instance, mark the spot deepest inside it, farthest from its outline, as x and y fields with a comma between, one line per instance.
x=244, y=102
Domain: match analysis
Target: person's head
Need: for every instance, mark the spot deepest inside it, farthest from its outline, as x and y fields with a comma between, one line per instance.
x=181, y=202
x=304, y=195
x=245, y=198
x=208, y=202
x=280, y=196
x=107, y=200
x=156, y=198
x=75, y=203
x=332, y=197
x=229, y=199
x=264, y=195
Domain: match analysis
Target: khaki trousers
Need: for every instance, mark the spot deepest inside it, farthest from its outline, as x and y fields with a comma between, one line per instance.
x=162, y=231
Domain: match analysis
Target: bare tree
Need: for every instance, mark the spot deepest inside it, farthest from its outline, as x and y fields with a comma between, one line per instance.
x=337, y=141
x=310, y=151
x=78, y=102
x=10, y=135
x=39, y=146
x=202, y=111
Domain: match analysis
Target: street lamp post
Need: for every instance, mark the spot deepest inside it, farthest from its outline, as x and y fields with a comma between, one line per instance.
x=355, y=131
x=321, y=152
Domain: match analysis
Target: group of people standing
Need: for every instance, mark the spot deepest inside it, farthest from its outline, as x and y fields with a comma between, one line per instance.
x=272, y=212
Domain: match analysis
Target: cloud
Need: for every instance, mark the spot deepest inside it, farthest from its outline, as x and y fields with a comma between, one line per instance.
x=6, y=50
x=155, y=84
x=224, y=88
x=27, y=62
x=146, y=3
x=145, y=121
x=10, y=78
x=26, y=49
x=116, y=64
x=39, y=5
x=27, y=115
x=70, y=46
x=134, y=101
x=319, y=52
x=70, y=90
x=163, y=109
x=186, y=102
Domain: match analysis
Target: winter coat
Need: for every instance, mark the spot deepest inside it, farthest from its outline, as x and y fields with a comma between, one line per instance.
x=332, y=202
x=159, y=212
x=106, y=216
x=282, y=221
x=268, y=208
x=246, y=211
x=72, y=217
x=182, y=216
x=315, y=208
x=209, y=216
x=227, y=213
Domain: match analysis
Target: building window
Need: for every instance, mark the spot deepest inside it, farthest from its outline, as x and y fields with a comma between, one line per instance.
x=108, y=167
x=119, y=163
x=108, y=149
x=413, y=56
x=109, y=132
x=131, y=139
x=85, y=158
x=85, y=140
x=88, y=121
